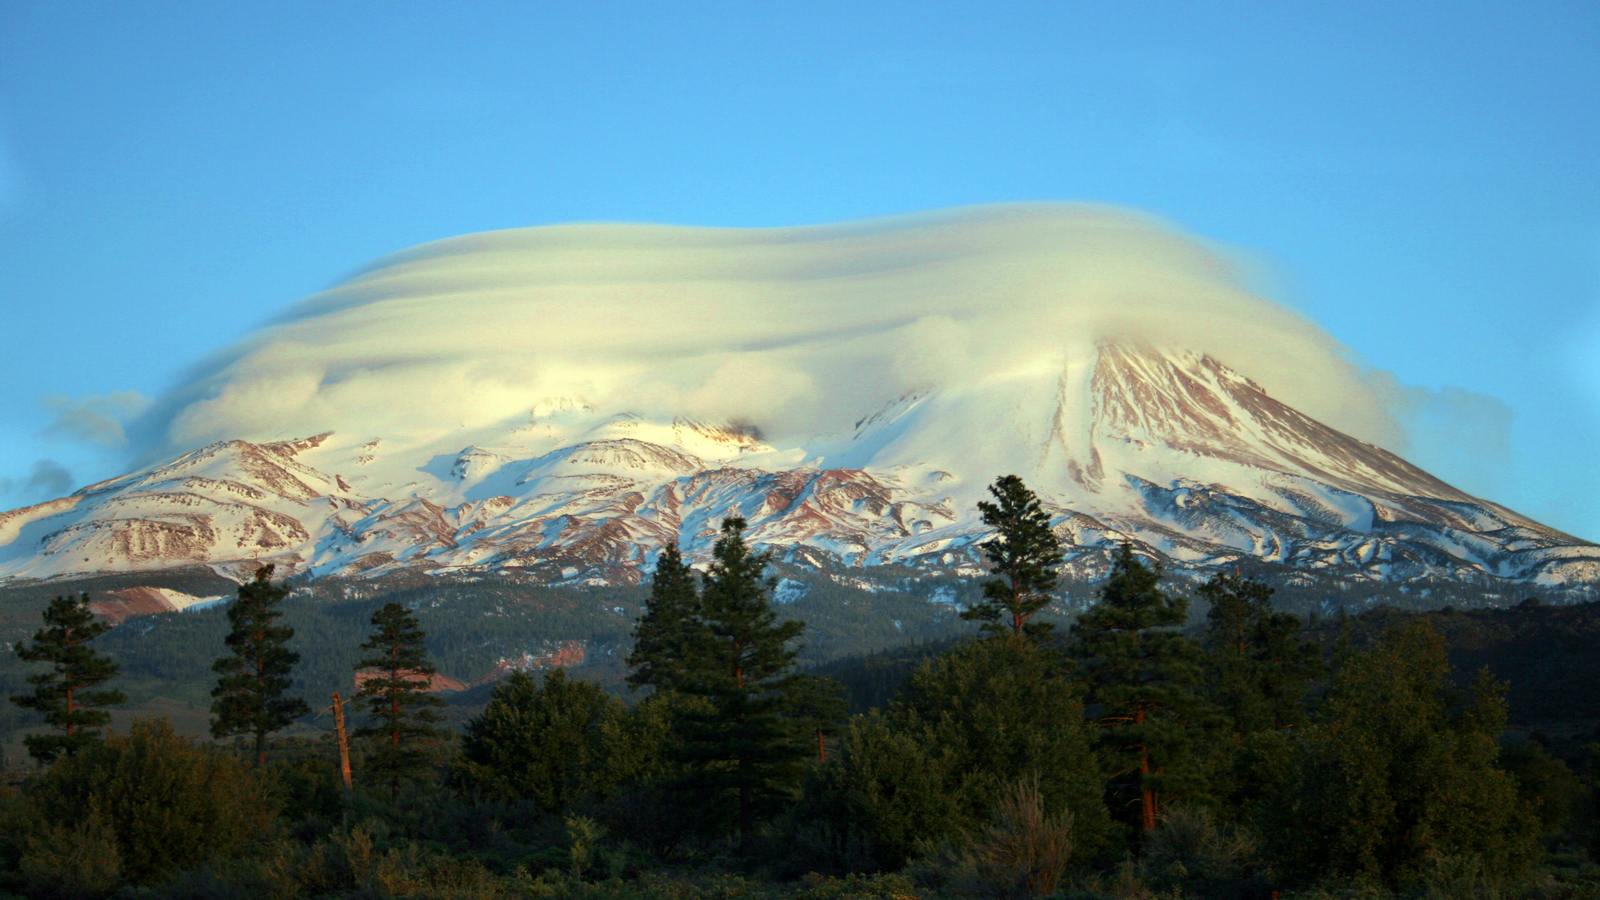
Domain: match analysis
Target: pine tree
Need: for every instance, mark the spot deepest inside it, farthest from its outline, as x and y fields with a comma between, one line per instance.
x=1023, y=555
x=251, y=684
x=1389, y=783
x=1260, y=667
x=1258, y=674
x=1142, y=674
x=393, y=680
x=66, y=693
x=997, y=711
x=668, y=632
x=745, y=744
x=555, y=742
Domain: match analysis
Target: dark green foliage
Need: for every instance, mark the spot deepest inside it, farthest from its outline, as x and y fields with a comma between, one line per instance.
x=557, y=743
x=1193, y=852
x=872, y=681
x=972, y=724
x=1023, y=555
x=1143, y=677
x=1388, y=784
x=1555, y=793
x=146, y=805
x=393, y=679
x=1259, y=666
x=881, y=796
x=743, y=748
x=954, y=781
x=251, y=696
x=670, y=629
x=1259, y=672
x=999, y=711
x=66, y=694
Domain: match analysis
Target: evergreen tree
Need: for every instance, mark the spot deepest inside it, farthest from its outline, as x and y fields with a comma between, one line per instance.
x=555, y=743
x=882, y=796
x=1258, y=673
x=1143, y=675
x=393, y=680
x=669, y=630
x=66, y=693
x=996, y=712
x=251, y=683
x=745, y=745
x=1023, y=555
x=1260, y=667
x=1389, y=784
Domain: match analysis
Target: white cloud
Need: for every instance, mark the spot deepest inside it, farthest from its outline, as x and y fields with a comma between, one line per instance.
x=797, y=330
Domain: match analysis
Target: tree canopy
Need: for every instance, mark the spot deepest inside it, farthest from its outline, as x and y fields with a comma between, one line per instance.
x=251, y=696
x=393, y=681
x=1023, y=555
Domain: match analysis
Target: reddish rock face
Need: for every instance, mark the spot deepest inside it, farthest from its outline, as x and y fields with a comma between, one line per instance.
x=121, y=605
x=563, y=656
x=439, y=683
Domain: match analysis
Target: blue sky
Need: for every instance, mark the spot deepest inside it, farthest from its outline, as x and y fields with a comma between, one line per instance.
x=1420, y=179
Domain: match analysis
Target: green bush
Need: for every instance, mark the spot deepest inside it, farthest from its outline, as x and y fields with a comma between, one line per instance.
x=1189, y=849
x=80, y=859
x=880, y=798
x=998, y=710
x=163, y=802
x=551, y=742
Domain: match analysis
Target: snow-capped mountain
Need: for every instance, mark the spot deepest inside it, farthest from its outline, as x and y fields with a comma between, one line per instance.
x=1123, y=440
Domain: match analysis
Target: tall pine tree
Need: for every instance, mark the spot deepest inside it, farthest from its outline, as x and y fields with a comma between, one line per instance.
x=66, y=693
x=1023, y=554
x=1142, y=674
x=252, y=682
x=669, y=631
x=744, y=745
x=393, y=680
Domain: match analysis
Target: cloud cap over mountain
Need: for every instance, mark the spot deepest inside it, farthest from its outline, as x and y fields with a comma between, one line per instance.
x=796, y=330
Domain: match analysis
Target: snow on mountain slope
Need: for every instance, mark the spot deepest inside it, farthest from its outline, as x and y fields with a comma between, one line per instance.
x=563, y=400
x=1166, y=447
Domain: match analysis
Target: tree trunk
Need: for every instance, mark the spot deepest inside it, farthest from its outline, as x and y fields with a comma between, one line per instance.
x=1016, y=609
x=344, y=741
x=1147, y=795
x=67, y=639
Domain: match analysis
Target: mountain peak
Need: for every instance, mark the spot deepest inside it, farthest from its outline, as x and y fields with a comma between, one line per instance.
x=1124, y=440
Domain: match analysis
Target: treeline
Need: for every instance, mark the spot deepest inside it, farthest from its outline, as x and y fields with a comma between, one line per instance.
x=1120, y=757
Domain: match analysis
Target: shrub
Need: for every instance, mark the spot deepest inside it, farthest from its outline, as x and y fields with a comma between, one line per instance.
x=80, y=859
x=1024, y=848
x=1189, y=849
x=165, y=803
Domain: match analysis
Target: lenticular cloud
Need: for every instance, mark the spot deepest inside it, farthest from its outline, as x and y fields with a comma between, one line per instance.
x=797, y=331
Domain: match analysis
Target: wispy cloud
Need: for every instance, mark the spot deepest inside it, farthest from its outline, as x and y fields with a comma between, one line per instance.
x=47, y=479
x=97, y=420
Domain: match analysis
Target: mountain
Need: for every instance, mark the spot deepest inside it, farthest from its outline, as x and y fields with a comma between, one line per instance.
x=1123, y=439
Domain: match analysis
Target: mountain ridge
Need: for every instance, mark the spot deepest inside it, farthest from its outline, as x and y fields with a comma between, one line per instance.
x=1167, y=448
